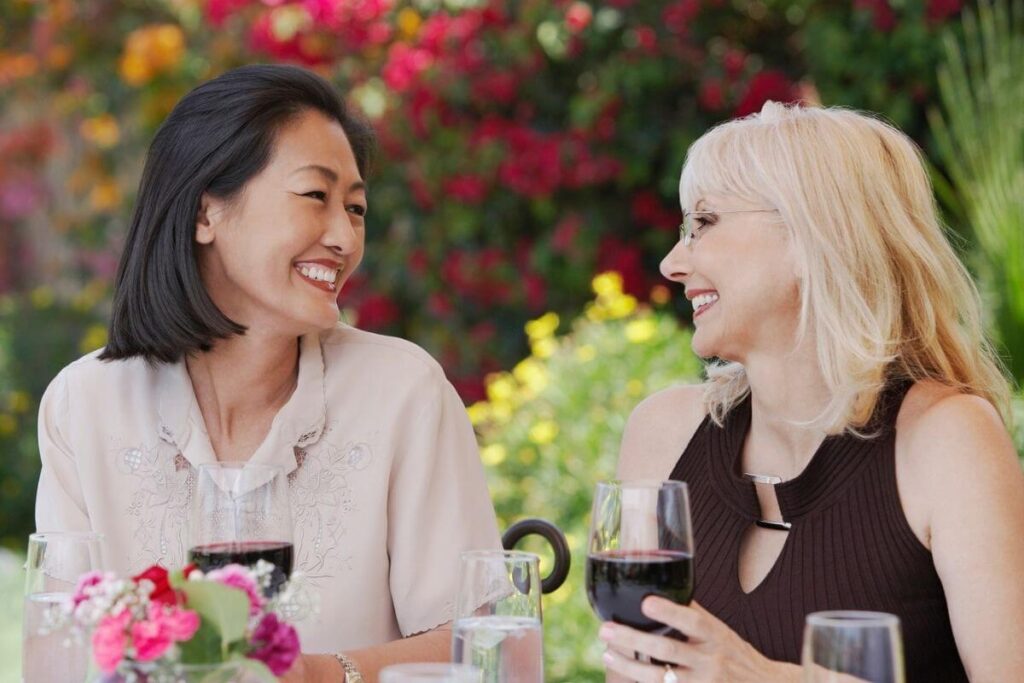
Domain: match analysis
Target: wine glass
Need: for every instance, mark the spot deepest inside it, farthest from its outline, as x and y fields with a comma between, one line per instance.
x=430, y=673
x=241, y=513
x=852, y=647
x=498, y=616
x=50, y=652
x=641, y=544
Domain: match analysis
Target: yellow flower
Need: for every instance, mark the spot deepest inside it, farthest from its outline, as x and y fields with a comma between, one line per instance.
x=42, y=297
x=101, y=131
x=95, y=337
x=596, y=313
x=8, y=424
x=634, y=387
x=18, y=401
x=500, y=387
x=621, y=306
x=607, y=284
x=493, y=454
x=543, y=432
x=586, y=353
x=288, y=21
x=105, y=196
x=544, y=348
x=543, y=327
x=409, y=22
x=501, y=411
x=479, y=412
x=642, y=330
x=531, y=375
x=151, y=50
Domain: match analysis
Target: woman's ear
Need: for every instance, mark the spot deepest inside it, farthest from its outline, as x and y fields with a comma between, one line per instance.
x=205, y=225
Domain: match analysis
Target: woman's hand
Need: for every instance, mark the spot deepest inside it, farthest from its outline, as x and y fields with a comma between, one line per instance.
x=713, y=654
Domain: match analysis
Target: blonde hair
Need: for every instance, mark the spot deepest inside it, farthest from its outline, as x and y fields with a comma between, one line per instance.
x=882, y=291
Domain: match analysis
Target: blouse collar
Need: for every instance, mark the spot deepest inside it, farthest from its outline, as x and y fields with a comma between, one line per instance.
x=298, y=424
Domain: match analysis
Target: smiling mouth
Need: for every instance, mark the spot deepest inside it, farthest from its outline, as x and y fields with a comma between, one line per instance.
x=702, y=303
x=321, y=277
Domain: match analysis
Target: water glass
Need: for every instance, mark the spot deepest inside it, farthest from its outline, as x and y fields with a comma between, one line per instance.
x=852, y=647
x=50, y=652
x=498, y=616
x=430, y=673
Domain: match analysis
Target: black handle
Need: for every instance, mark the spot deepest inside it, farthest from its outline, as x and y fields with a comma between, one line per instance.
x=553, y=535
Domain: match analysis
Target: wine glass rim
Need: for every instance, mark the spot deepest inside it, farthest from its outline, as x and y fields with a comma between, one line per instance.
x=80, y=536
x=854, y=618
x=504, y=554
x=641, y=484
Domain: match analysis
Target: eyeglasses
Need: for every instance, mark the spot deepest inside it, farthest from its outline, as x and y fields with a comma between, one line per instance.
x=696, y=223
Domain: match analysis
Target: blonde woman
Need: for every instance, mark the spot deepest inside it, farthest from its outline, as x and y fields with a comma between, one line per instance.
x=849, y=449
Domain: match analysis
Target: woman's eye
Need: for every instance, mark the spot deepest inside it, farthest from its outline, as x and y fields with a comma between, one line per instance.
x=357, y=209
x=316, y=194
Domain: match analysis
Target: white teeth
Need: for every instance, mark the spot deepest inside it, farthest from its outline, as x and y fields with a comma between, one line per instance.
x=319, y=273
x=703, y=300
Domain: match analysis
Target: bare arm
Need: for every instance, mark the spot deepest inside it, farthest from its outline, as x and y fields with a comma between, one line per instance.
x=966, y=463
x=432, y=646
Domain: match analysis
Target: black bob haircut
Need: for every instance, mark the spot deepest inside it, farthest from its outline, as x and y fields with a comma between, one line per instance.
x=217, y=138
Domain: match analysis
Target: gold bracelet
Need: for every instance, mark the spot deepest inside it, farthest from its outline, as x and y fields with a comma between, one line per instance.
x=352, y=674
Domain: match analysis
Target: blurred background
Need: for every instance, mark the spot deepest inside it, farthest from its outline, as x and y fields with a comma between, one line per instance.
x=525, y=190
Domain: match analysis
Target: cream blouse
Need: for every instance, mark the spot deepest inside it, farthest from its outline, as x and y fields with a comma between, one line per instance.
x=386, y=482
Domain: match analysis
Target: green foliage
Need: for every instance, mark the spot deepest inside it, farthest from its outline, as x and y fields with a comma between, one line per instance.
x=980, y=136
x=551, y=429
x=39, y=333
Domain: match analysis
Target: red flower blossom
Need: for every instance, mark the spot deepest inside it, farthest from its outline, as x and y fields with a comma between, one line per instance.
x=217, y=11
x=627, y=260
x=578, y=16
x=766, y=85
x=563, y=238
x=939, y=11
x=466, y=188
x=711, y=95
x=376, y=312
x=404, y=66
x=649, y=211
x=162, y=591
x=733, y=61
x=678, y=15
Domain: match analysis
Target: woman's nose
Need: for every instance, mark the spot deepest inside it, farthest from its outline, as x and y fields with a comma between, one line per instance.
x=342, y=234
x=676, y=265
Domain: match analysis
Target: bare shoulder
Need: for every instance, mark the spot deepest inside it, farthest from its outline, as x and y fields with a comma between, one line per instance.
x=658, y=430
x=952, y=450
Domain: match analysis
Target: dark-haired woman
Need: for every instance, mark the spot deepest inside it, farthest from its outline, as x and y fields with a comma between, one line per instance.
x=225, y=345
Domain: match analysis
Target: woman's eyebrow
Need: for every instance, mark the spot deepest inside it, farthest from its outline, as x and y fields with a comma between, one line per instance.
x=330, y=174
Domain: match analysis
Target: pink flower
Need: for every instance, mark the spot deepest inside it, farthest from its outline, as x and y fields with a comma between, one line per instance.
x=87, y=580
x=151, y=640
x=277, y=644
x=237, y=576
x=179, y=624
x=108, y=641
x=578, y=16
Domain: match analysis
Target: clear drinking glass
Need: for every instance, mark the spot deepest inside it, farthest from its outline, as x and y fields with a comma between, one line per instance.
x=498, y=616
x=852, y=647
x=430, y=673
x=241, y=513
x=641, y=544
x=54, y=562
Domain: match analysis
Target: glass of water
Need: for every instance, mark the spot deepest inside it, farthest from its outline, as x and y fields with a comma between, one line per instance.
x=498, y=616
x=849, y=646
x=430, y=673
x=52, y=654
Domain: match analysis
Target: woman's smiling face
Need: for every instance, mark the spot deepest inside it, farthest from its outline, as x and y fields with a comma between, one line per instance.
x=740, y=275
x=275, y=257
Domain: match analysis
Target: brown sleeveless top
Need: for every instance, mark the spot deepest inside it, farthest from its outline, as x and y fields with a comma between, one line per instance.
x=850, y=546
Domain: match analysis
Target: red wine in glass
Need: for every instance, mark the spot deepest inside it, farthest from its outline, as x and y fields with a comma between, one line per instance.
x=247, y=553
x=619, y=580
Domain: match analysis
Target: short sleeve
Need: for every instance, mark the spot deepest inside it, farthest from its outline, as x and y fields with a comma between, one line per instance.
x=60, y=503
x=438, y=507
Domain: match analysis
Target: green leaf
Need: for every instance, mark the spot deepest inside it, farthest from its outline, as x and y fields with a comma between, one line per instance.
x=226, y=609
x=204, y=647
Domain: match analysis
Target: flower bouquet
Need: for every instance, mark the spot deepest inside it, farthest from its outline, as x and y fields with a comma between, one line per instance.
x=185, y=626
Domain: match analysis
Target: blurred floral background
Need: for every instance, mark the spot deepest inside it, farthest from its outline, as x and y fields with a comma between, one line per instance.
x=526, y=147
